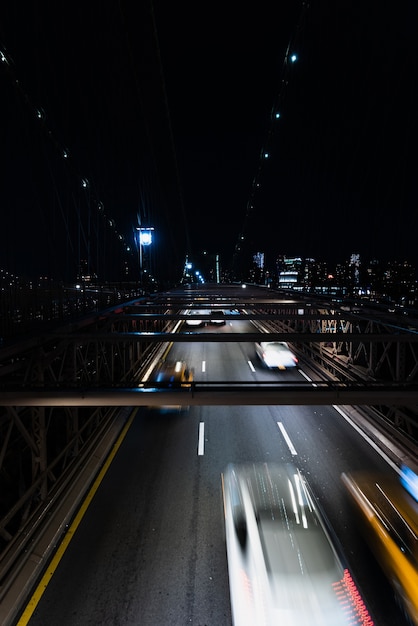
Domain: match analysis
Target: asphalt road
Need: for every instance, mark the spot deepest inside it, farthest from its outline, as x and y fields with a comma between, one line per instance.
x=150, y=549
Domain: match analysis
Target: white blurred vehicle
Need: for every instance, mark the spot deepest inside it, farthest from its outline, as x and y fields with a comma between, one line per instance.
x=192, y=320
x=284, y=568
x=276, y=354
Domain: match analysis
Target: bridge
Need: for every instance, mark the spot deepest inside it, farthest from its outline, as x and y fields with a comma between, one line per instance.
x=65, y=394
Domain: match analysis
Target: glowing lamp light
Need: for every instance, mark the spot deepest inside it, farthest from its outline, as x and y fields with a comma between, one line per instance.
x=293, y=58
x=145, y=236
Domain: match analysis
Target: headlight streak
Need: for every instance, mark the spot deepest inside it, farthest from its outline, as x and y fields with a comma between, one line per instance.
x=294, y=505
x=286, y=518
x=361, y=498
x=396, y=512
x=300, y=500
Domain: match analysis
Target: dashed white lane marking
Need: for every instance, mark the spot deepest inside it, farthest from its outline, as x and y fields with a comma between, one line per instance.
x=201, y=445
x=287, y=439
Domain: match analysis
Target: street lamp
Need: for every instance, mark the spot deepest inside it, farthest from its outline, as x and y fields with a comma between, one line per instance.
x=216, y=270
x=144, y=239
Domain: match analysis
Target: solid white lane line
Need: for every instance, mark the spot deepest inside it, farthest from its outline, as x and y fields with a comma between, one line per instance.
x=287, y=439
x=307, y=377
x=368, y=439
x=203, y=366
x=252, y=368
x=201, y=446
x=361, y=432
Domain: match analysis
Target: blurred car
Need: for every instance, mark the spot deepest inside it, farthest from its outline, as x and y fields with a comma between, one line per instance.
x=284, y=567
x=387, y=513
x=218, y=317
x=173, y=374
x=275, y=354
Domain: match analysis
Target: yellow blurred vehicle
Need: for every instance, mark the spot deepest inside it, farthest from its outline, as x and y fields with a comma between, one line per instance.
x=173, y=375
x=387, y=509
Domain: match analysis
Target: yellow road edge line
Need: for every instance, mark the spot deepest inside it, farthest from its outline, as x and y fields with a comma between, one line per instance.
x=46, y=578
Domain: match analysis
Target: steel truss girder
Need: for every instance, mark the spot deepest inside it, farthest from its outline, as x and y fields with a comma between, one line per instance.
x=48, y=374
x=219, y=393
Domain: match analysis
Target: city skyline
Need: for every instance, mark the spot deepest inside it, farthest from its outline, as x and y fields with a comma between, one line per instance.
x=210, y=268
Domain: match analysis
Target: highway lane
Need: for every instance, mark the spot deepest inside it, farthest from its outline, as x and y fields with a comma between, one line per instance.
x=150, y=548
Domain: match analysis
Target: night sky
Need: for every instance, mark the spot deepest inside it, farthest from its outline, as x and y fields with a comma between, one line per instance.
x=166, y=109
